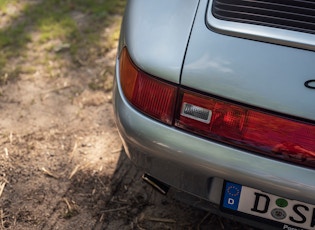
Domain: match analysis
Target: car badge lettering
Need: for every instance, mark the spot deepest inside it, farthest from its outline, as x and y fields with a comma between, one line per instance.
x=310, y=84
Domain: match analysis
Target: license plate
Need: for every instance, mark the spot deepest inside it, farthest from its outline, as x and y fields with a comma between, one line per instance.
x=285, y=213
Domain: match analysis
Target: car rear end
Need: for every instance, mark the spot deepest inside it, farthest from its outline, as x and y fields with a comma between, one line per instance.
x=222, y=108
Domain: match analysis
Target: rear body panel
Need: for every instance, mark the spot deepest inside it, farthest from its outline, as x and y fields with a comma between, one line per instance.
x=190, y=163
x=156, y=43
x=256, y=73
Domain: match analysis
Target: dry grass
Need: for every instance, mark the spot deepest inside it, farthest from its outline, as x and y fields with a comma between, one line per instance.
x=55, y=29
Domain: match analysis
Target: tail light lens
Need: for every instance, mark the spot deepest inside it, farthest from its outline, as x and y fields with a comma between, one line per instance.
x=153, y=97
x=247, y=128
x=226, y=122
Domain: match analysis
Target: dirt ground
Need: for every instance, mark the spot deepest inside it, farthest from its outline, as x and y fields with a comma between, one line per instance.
x=62, y=164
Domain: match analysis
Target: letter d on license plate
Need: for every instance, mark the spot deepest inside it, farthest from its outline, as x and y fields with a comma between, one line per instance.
x=286, y=213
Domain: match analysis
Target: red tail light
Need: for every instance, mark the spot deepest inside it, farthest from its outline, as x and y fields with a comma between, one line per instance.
x=247, y=128
x=226, y=122
x=153, y=97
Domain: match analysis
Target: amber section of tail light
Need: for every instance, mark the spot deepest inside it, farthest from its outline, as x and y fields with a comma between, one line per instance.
x=148, y=94
x=128, y=74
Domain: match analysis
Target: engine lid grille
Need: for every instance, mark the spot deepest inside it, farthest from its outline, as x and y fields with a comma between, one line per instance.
x=296, y=15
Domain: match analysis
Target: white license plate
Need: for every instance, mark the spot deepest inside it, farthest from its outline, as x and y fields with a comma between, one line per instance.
x=287, y=214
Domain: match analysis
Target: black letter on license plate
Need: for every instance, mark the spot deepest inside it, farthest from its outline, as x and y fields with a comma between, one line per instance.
x=313, y=218
x=297, y=211
x=265, y=199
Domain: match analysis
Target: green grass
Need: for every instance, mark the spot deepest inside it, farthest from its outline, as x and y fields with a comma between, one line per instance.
x=54, y=20
x=4, y=4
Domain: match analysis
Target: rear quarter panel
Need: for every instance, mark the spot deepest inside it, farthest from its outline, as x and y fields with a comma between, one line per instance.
x=156, y=35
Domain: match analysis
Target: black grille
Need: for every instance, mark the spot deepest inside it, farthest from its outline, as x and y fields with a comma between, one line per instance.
x=297, y=15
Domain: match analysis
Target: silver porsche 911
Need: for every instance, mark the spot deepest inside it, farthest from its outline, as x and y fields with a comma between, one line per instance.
x=216, y=98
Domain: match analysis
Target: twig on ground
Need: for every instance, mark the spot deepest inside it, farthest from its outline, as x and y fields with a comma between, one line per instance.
x=81, y=62
x=73, y=151
x=164, y=220
x=103, y=185
x=3, y=178
x=57, y=89
x=116, y=151
x=77, y=168
x=71, y=210
x=6, y=152
x=101, y=218
x=203, y=219
x=74, y=171
x=3, y=221
x=11, y=137
x=221, y=223
x=2, y=185
x=115, y=209
x=68, y=205
x=139, y=227
x=2, y=217
x=45, y=95
x=48, y=173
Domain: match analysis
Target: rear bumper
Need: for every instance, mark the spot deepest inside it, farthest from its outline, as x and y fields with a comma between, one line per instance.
x=198, y=166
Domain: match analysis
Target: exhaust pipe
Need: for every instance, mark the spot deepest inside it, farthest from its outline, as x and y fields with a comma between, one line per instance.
x=156, y=184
